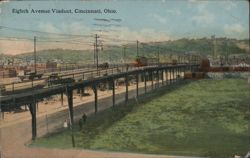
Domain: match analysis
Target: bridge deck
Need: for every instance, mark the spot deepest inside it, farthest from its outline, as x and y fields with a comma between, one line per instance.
x=30, y=96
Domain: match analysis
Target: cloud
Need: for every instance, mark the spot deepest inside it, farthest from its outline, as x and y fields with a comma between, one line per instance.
x=229, y=5
x=192, y=1
x=174, y=12
x=77, y=28
x=122, y=34
x=199, y=5
x=234, y=28
x=144, y=35
x=204, y=18
x=48, y=27
x=159, y=18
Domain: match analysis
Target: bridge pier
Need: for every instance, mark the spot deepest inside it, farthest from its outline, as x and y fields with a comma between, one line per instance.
x=145, y=82
x=166, y=76
x=32, y=108
x=96, y=97
x=170, y=75
x=177, y=73
x=152, y=80
x=162, y=77
x=62, y=99
x=82, y=91
x=173, y=73
x=137, y=85
x=1, y=115
x=70, y=105
x=71, y=114
x=183, y=70
x=126, y=84
x=158, y=78
x=37, y=107
x=180, y=72
x=113, y=90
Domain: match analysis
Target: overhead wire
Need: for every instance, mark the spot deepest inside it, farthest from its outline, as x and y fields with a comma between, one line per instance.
x=42, y=32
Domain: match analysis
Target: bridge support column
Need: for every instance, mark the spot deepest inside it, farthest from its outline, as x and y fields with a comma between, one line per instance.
x=82, y=91
x=113, y=90
x=70, y=105
x=71, y=114
x=177, y=73
x=62, y=99
x=96, y=97
x=173, y=71
x=145, y=82
x=180, y=72
x=170, y=75
x=181, y=69
x=174, y=74
x=152, y=80
x=166, y=76
x=137, y=85
x=32, y=108
x=184, y=71
x=126, y=93
x=162, y=77
x=158, y=79
x=1, y=114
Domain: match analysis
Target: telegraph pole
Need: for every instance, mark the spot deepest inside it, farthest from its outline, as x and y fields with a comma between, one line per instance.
x=35, y=52
x=214, y=44
x=227, y=51
x=96, y=46
x=137, y=50
x=124, y=53
x=158, y=55
x=94, y=54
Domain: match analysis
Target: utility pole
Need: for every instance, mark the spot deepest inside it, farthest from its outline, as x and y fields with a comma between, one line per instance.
x=124, y=53
x=96, y=46
x=137, y=50
x=158, y=55
x=227, y=51
x=94, y=55
x=214, y=50
x=35, y=52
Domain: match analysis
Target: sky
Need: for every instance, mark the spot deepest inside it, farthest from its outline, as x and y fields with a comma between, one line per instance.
x=142, y=20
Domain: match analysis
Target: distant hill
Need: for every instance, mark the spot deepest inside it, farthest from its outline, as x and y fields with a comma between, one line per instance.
x=203, y=46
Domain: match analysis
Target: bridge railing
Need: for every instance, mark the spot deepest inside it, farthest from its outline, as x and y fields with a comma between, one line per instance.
x=18, y=87
x=14, y=88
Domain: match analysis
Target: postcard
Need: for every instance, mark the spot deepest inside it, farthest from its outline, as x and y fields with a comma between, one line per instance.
x=124, y=79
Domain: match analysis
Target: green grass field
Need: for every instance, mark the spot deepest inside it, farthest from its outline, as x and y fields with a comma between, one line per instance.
x=201, y=118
